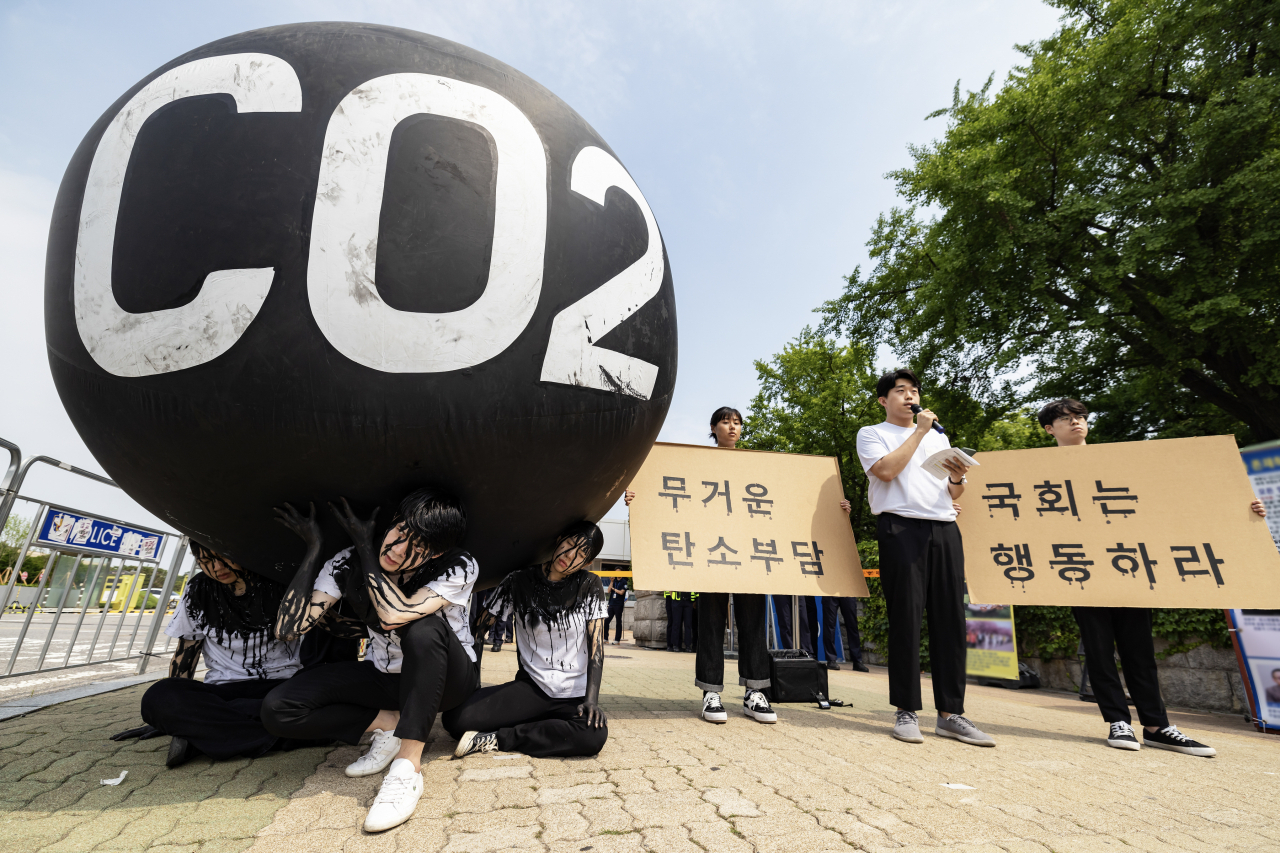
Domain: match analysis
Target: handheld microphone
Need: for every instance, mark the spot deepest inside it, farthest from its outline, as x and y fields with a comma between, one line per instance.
x=915, y=410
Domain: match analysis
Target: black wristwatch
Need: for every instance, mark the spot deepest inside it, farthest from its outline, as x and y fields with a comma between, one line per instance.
x=954, y=483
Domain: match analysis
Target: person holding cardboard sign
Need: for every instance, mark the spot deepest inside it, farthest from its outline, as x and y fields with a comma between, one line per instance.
x=921, y=558
x=1106, y=630
x=713, y=614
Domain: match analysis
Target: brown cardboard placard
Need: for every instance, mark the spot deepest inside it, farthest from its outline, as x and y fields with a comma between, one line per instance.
x=779, y=530
x=1134, y=524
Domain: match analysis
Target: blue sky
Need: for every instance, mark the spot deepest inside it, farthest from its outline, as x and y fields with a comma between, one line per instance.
x=759, y=132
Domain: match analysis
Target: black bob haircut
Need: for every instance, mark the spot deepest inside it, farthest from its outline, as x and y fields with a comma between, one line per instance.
x=583, y=533
x=432, y=518
x=723, y=414
x=886, y=383
x=1058, y=408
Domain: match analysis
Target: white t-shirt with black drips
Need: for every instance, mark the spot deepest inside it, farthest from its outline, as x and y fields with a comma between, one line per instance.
x=554, y=655
x=231, y=657
x=384, y=649
x=914, y=493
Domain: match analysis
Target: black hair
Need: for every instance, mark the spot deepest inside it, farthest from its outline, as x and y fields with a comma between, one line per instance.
x=582, y=534
x=723, y=414
x=214, y=607
x=1273, y=672
x=1058, y=408
x=887, y=382
x=434, y=522
x=571, y=601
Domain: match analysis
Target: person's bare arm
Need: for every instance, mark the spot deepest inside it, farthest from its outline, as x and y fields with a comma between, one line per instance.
x=302, y=605
x=186, y=658
x=590, y=707
x=895, y=462
x=956, y=471
x=394, y=608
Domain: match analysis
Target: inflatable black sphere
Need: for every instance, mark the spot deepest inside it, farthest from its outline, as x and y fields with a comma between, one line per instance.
x=347, y=260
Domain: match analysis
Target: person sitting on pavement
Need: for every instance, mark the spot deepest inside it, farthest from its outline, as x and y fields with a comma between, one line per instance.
x=1104, y=631
x=227, y=616
x=552, y=708
x=413, y=591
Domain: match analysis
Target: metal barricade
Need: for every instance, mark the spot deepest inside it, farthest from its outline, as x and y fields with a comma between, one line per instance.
x=92, y=593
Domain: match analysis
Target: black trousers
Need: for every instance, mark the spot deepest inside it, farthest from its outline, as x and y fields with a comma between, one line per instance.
x=848, y=607
x=753, y=648
x=527, y=720
x=680, y=630
x=829, y=616
x=1104, y=630
x=922, y=569
x=340, y=700
x=220, y=720
x=670, y=618
x=615, y=612
x=782, y=608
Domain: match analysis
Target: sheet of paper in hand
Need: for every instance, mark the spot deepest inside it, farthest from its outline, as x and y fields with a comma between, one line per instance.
x=934, y=463
x=1135, y=524
x=746, y=521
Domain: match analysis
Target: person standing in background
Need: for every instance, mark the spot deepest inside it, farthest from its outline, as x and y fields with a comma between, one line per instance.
x=680, y=636
x=617, y=605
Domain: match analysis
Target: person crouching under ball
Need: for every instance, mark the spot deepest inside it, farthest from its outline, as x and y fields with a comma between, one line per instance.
x=412, y=589
x=553, y=706
x=226, y=614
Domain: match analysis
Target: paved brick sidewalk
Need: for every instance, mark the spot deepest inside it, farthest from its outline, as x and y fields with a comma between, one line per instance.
x=667, y=781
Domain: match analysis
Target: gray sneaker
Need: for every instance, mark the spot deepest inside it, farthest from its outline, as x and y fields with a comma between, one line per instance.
x=962, y=730
x=906, y=727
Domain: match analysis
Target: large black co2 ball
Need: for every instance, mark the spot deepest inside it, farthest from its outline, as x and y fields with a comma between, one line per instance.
x=340, y=259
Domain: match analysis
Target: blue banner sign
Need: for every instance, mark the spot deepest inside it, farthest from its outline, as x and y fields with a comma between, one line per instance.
x=69, y=531
x=1262, y=461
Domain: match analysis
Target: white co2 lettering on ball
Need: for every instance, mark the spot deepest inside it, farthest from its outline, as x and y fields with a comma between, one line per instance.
x=132, y=345
x=344, y=230
x=572, y=357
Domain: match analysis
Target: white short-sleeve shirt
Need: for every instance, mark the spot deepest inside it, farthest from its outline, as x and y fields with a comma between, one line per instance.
x=555, y=657
x=914, y=493
x=235, y=658
x=384, y=649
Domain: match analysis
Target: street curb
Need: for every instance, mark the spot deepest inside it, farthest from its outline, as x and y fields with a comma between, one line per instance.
x=20, y=707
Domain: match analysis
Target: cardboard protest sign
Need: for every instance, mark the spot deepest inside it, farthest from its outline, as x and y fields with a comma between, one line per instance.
x=746, y=521
x=1137, y=524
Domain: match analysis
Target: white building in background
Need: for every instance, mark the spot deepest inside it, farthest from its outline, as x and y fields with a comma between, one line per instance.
x=616, y=555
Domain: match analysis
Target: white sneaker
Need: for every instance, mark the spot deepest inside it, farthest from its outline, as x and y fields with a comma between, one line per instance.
x=713, y=710
x=398, y=797
x=754, y=705
x=381, y=752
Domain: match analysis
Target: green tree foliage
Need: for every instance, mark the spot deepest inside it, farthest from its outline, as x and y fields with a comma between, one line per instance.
x=1111, y=217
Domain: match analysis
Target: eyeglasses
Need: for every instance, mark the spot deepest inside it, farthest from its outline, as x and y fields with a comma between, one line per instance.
x=1070, y=419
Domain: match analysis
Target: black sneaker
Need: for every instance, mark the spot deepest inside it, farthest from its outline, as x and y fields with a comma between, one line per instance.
x=1122, y=737
x=713, y=709
x=474, y=742
x=832, y=665
x=755, y=706
x=1170, y=738
x=496, y=647
x=180, y=752
x=859, y=666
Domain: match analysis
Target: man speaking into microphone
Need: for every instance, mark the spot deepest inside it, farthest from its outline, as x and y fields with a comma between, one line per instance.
x=921, y=557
